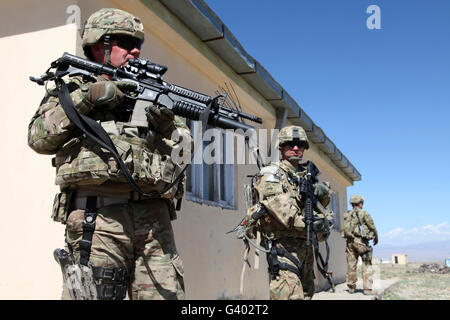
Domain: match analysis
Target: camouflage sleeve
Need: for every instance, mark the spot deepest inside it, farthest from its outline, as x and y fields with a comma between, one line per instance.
x=281, y=205
x=368, y=221
x=50, y=127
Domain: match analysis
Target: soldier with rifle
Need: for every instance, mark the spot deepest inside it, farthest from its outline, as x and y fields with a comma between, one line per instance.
x=359, y=229
x=112, y=124
x=289, y=210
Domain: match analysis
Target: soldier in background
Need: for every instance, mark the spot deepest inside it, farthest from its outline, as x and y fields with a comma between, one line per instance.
x=279, y=217
x=124, y=241
x=359, y=229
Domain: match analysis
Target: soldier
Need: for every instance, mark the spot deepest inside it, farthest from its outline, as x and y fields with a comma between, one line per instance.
x=126, y=240
x=359, y=229
x=280, y=216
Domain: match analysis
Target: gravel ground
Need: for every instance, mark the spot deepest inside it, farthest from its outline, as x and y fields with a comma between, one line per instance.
x=416, y=281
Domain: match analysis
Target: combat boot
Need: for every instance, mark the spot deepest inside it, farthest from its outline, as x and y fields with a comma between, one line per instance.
x=369, y=292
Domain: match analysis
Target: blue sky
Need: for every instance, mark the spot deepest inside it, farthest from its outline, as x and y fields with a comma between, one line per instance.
x=382, y=96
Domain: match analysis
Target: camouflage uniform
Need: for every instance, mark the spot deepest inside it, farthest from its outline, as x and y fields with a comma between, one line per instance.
x=130, y=233
x=278, y=191
x=358, y=232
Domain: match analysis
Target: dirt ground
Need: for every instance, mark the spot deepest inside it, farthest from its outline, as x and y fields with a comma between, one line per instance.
x=413, y=284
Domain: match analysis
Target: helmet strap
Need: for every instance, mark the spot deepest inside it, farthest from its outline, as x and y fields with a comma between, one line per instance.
x=107, y=43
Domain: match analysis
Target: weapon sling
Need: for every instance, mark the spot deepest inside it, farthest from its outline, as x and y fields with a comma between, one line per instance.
x=323, y=265
x=359, y=222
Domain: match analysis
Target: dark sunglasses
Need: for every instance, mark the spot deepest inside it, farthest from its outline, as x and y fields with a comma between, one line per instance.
x=292, y=144
x=128, y=43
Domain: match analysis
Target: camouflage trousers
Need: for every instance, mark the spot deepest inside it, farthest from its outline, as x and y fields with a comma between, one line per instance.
x=356, y=248
x=287, y=285
x=138, y=237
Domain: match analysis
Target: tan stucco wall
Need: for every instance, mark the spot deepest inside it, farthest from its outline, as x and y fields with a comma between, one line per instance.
x=401, y=259
x=27, y=234
x=212, y=260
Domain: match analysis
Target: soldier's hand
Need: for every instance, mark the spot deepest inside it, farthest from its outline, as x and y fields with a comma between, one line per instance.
x=126, y=86
x=161, y=118
x=321, y=190
x=106, y=94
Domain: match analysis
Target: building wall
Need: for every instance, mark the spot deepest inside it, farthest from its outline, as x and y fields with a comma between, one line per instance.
x=400, y=259
x=212, y=259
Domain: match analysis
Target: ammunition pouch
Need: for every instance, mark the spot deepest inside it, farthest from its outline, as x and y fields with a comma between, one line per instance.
x=81, y=161
x=320, y=225
x=110, y=283
x=282, y=208
x=366, y=256
x=362, y=248
x=62, y=206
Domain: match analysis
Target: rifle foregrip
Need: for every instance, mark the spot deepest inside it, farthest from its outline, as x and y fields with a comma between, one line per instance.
x=187, y=110
x=193, y=112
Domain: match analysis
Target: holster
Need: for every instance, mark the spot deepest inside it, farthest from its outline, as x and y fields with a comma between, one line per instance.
x=89, y=282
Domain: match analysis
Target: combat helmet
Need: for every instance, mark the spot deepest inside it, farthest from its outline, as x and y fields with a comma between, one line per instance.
x=355, y=199
x=292, y=133
x=107, y=22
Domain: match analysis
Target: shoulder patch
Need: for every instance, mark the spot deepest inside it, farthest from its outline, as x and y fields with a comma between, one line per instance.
x=271, y=173
x=269, y=169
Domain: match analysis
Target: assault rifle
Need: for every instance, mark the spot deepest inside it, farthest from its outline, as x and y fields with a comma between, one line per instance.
x=306, y=190
x=151, y=88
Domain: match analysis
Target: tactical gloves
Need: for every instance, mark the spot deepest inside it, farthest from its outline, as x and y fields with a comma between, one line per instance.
x=161, y=119
x=375, y=240
x=321, y=190
x=106, y=94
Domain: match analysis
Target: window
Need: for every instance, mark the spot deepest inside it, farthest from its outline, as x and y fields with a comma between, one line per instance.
x=210, y=178
x=334, y=206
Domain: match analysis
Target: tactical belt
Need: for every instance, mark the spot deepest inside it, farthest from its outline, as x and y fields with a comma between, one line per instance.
x=109, y=282
x=104, y=200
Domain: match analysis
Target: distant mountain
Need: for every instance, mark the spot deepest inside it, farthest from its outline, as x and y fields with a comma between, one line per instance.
x=419, y=252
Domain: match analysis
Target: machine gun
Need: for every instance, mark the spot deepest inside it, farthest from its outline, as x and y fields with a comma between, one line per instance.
x=150, y=87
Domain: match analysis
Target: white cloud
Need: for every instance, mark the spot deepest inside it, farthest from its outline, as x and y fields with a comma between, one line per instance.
x=395, y=232
x=428, y=233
